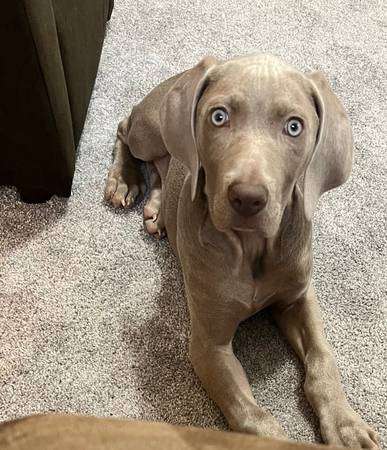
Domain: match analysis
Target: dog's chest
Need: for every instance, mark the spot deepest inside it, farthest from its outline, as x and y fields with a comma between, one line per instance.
x=280, y=283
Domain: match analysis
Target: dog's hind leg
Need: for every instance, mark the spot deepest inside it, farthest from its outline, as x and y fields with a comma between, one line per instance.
x=125, y=181
x=139, y=140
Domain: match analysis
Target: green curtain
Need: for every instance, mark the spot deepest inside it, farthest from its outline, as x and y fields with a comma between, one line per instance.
x=49, y=55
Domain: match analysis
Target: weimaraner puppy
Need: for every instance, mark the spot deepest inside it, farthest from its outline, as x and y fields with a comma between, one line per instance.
x=239, y=153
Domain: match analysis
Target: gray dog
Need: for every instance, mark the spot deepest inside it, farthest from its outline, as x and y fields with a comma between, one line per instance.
x=239, y=153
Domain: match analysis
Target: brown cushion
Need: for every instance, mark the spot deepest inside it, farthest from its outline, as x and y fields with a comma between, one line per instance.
x=89, y=433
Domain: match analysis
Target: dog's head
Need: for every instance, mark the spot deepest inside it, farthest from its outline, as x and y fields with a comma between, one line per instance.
x=257, y=127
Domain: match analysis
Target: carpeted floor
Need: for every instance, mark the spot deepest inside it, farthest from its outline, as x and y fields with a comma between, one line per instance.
x=93, y=317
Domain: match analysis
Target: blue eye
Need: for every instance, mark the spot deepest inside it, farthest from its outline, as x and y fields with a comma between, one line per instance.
x=293, y=127
x=219, y=117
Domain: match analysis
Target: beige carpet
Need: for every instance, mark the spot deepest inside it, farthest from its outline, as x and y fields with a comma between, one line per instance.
x=92, y=312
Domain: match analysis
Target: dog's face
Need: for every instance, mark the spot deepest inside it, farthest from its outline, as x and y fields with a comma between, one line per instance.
x=256, y=127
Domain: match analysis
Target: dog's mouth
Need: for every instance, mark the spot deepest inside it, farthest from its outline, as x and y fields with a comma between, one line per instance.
x=244, y=229
x=259, y=231
x=262, y=223
x=261, y=226
x=252, y=223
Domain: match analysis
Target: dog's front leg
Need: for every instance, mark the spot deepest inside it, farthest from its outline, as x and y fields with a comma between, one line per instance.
x=222, y=375
x=340, y=424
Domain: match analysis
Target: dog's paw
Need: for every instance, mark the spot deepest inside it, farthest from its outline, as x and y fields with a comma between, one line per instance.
x=119, y=191
x=153, y=221
x=344, y=427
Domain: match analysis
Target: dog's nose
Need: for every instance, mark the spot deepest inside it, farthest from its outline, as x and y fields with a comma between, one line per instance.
x=247, y=199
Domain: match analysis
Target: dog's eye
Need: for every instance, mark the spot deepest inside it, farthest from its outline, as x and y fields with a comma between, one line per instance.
x=219, y=117
x=293, y=127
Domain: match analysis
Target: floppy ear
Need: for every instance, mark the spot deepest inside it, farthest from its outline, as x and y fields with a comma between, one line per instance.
x=331, y=161
x=177, y=117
